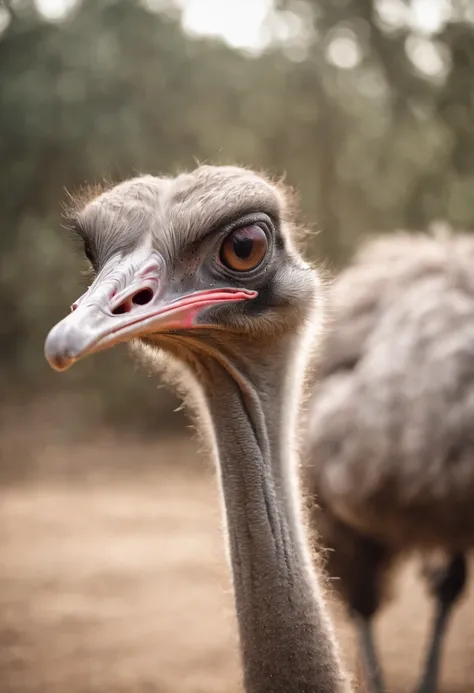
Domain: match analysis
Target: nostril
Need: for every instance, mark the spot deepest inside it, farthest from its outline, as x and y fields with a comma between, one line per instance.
x=73, y=307
x=124, y=307
x=142, y=297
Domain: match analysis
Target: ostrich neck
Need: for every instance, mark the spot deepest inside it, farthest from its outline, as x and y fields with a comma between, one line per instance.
x=286, y=635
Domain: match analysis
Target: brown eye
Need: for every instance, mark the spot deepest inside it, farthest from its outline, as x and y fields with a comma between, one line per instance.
x=244, y=248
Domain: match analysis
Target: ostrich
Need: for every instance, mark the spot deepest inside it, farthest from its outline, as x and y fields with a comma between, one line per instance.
x=391, y=428
x=203, y=272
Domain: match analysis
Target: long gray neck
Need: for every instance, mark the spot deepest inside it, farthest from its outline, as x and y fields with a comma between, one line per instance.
x=286, y=635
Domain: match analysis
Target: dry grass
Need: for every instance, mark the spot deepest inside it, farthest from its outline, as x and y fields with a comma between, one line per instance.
x=120, y=585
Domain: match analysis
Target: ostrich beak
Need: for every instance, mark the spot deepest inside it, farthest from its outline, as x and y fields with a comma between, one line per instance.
x=128, y=300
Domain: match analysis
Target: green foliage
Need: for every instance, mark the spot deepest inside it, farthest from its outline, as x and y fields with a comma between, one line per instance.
x=117, y=89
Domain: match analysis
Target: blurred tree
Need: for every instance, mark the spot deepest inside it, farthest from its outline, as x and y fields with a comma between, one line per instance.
x=402, y=71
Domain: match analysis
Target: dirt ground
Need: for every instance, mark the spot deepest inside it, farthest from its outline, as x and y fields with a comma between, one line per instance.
x=118, y=583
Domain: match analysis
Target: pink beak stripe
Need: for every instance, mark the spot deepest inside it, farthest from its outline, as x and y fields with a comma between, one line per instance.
x=92, y=327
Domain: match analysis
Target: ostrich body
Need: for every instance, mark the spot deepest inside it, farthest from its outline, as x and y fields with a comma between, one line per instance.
x=391, y=426
x=201, y=269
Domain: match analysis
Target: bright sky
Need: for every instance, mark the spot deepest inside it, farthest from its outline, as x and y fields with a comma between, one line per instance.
x=239, y=22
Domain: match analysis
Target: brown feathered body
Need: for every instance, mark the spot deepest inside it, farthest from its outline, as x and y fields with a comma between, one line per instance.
x=391, y=421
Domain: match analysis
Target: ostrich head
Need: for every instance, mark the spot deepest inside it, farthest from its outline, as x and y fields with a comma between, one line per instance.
x=208, y=254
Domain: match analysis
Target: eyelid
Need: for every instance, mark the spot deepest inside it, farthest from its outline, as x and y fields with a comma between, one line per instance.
x=243, y=223
x=251, y=220
x=221, y=230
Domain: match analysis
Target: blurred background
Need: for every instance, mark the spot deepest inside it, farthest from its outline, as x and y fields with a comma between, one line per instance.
x=111, y=565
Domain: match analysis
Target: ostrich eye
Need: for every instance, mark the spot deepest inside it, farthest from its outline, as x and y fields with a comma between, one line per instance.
x=244, y=248
x=88, y=252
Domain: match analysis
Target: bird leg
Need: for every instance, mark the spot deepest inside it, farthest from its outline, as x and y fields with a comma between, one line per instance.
x=364, y=593
x=360, y=565
x=370, y=660
x=447, y=585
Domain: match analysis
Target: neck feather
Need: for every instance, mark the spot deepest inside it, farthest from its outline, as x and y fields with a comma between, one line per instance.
x=286, y=635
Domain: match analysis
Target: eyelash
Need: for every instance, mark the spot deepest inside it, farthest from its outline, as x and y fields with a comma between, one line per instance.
x=222, y=230
x=265, y=224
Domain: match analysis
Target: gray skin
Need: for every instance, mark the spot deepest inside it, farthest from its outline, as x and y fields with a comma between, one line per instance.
x=237, y=341
x=391, y=428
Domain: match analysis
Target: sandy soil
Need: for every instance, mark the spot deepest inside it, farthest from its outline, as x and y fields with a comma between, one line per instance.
x=119, y=584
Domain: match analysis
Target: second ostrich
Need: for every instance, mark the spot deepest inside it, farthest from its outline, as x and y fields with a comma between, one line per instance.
x=391, y=427
x=203, y=268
